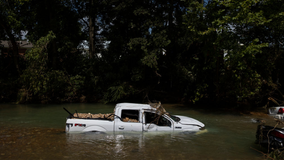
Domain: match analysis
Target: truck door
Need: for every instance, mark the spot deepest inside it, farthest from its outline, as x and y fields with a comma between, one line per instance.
x=130, y=120
x=155, y=122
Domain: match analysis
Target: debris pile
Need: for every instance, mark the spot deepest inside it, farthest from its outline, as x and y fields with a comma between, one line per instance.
x=109, y=116
x=160, y=110
x=126, y=119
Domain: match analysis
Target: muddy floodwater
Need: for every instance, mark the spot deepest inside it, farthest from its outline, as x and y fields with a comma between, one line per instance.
x=38, y=132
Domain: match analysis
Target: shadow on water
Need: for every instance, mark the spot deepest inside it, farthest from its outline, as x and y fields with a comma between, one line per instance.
x=30, y=132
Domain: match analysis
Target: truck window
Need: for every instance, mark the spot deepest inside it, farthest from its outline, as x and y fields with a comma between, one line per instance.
x=130, y=115
x=156, y=119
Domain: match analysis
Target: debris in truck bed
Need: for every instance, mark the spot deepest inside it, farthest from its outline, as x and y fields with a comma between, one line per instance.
x=109, y=116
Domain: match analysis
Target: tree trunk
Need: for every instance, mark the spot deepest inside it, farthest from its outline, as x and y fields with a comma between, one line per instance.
x=14, y=44
x=91, y=31
x=53, y=56
x=217, y=77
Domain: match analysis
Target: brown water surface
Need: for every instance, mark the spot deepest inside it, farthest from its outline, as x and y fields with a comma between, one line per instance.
x=37, y=132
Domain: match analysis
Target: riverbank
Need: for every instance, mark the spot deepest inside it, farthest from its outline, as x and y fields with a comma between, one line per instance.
x=202, y=107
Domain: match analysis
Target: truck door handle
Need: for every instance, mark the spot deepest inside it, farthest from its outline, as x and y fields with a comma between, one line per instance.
x=121, y=127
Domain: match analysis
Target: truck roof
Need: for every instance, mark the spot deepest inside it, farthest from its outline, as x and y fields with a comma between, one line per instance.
x=133, y=106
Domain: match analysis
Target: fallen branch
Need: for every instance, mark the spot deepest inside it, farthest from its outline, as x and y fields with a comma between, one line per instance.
x=264, y=154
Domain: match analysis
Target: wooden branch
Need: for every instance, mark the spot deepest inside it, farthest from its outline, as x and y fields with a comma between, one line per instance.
x=262, y=153
x=14, y=43
x=157, y=74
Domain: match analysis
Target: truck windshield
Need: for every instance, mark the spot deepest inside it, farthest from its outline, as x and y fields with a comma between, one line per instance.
x=175, y=118
x=156, y=119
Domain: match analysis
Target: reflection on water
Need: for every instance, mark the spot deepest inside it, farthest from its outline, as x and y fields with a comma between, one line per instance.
x=132, y=145
x=37, y=132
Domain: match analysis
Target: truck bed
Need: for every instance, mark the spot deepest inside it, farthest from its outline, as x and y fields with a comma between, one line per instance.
x=107, y=116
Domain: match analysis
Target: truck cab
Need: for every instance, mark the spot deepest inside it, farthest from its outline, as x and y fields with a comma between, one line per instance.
x=141, y=118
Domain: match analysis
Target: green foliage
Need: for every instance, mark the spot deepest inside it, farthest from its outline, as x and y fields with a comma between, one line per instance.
x=230, y=30
x=197, y=50
x=10, y=16
x=44, y=83
x=121, y=91
x=276, y=154
x=38, y=56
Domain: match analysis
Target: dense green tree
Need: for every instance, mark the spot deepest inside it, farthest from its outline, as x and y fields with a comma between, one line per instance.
x=11, y=26
x=10, y=65
x=41, y=83
x=239, y=35
x=56, y=16
x=144, y=42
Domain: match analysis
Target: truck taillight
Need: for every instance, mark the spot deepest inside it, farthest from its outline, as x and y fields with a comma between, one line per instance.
x=277, y=134
x=280, y=111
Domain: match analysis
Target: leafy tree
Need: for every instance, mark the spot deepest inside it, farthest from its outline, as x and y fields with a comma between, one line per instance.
x=11, y=25
x=233, y=33
x=141, y=34
x=45, y=84
x=56, y=16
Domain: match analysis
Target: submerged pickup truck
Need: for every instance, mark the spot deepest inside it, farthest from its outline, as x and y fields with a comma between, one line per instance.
x=131, y=117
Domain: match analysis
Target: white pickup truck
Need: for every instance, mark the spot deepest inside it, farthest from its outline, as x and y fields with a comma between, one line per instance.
x=131, y=117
